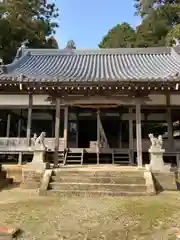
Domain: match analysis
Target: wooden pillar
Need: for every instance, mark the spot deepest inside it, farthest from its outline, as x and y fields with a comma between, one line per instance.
x=57, y=129
x=77, y=129
x=131, y=147
x=98, y=136
x=8, y=125
x=120, y=134
x=20, y=156
x=29, y=120
x=169, y=124
x=65, y=127
x=19, y=127
x=138, y=134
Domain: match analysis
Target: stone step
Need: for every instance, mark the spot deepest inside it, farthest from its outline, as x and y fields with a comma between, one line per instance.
x=96, y=179
x=70, y=193
x=98, y=187
x=93, y=173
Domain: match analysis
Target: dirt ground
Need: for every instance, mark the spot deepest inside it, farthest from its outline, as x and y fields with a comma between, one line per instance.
x=102, y=218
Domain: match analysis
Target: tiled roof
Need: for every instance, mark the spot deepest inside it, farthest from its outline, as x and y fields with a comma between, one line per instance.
x=155, y=64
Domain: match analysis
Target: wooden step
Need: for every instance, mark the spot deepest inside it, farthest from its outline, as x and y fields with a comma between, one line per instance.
x=73, y=156
x=73, y=161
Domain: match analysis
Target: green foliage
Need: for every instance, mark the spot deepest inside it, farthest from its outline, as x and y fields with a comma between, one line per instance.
x=163, y=17
x=173, y=35
x=122, y=35
x=26, y=19
x=152, y=32
x=160, y=26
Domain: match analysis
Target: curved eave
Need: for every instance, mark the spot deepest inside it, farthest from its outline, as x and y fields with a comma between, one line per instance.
x=60, y=80
x=108, y=66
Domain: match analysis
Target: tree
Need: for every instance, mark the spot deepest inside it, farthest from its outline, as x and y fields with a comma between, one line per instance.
x=26, y=19
x=145, y=7
x=122, y=35
x=152, y=31
x=163, y=16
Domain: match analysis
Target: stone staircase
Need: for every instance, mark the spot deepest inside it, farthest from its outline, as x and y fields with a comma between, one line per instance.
x=85, y=181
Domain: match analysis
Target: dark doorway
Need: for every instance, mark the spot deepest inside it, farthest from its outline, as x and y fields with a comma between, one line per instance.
x=112, y=129
x=87, y=132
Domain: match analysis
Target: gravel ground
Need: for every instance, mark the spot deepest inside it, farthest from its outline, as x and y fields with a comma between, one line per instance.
x=104, y=218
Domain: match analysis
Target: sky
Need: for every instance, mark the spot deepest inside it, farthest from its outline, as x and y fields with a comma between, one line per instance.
x=86, y=22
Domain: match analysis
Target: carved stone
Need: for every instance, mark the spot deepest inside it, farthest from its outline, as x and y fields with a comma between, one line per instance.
x=39, y=148
x=156, y=155
x=39, y=142
x=32, y=174
x=21, y=48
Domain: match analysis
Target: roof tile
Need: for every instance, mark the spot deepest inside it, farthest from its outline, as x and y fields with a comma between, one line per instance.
x=97, y=65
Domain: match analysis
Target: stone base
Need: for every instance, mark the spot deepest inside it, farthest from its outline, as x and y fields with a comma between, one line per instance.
x=163, y=168
x=165, y=181
x=8, y=234
x=31, y=178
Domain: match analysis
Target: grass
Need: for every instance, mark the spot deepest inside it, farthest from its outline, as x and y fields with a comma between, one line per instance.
x=92, y=218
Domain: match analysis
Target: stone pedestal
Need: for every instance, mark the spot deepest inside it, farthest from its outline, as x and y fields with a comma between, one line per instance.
x=156, y=161
x=38, y=160
x=33, y=172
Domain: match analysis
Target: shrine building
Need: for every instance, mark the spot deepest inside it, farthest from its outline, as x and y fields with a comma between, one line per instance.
x=97, y=105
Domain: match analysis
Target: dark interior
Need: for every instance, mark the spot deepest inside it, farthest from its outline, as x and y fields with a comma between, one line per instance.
x=87, y=132
x=112, y=128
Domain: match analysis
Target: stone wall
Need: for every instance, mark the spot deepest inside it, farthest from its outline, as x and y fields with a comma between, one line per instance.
x=15, y=172
x=31, y=179
x=166, y=181
x=4, y=181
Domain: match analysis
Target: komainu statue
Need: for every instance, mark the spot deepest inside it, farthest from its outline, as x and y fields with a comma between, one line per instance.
x=39, y=141
x=156, y=152
x=33, y=140
x=156, y=143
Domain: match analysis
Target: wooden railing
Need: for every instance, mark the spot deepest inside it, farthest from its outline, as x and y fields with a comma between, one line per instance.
x=21, y=144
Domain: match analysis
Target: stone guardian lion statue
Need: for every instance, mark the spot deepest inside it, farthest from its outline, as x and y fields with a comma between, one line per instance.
x=156, y=142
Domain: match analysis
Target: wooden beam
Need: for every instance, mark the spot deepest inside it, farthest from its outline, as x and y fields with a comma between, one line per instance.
x=29, y=120
x=138, y=134
x=57, y=129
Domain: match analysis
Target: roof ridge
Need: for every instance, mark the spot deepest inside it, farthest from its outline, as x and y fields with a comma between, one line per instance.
x=150, y=50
